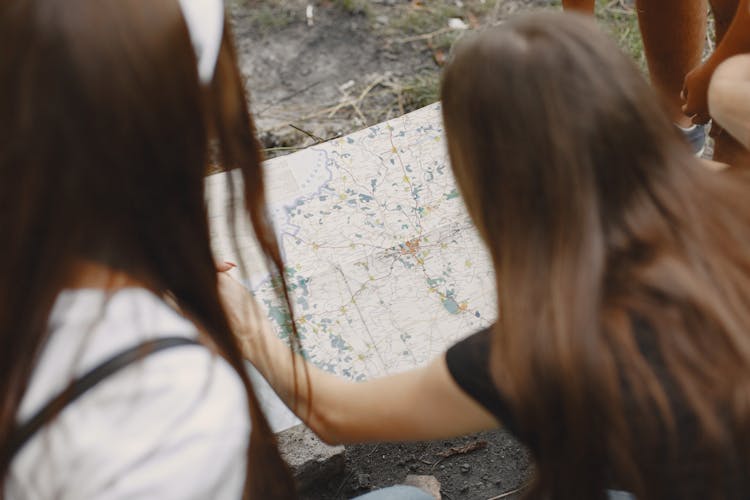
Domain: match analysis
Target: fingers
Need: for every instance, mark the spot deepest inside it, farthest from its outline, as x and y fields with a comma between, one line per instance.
x=697, y=118
x=695, y=111
x=695, y=94
x=701, y=119
x=238, y=303
x=225, y=266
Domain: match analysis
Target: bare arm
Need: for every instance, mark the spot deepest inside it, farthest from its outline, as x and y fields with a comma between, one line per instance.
x=424, y=403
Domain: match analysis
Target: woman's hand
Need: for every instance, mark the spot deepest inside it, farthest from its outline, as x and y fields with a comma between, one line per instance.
x=695, y=93
x=225, y=266
x=248, y=322
x=424, y=403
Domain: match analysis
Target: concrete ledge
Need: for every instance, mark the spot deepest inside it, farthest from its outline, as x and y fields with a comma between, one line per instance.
x=310, y=459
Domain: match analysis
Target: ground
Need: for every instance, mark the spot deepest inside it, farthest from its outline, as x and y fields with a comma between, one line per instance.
x=354, y=63
x=359, y=62
x=482, y=466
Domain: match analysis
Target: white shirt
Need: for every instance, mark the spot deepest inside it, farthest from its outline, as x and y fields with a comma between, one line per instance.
x=174, y=425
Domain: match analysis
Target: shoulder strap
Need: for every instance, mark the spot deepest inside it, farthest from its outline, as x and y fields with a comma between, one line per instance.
x=81, y=385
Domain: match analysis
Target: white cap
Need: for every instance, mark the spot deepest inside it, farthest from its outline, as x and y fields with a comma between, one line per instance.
x=205, y=22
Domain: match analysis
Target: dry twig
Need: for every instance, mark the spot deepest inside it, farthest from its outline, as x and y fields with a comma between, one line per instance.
x=508, y=493
x=314, y=137
x=458, y=450
x=424, y=36
x=354, y=103
x=463, y=450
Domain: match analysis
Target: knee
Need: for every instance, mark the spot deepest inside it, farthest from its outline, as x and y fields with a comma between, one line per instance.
x=734, y=68
x=729, y=97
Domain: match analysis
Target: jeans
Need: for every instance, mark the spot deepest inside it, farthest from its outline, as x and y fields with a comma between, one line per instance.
x=399, y=492
x=619, y=495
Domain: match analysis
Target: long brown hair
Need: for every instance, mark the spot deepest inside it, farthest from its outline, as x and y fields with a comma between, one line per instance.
x=104, y=140
x=623, y=266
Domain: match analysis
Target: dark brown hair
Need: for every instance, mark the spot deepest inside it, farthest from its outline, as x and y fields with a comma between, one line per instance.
x=104, y=133
x=623, y=272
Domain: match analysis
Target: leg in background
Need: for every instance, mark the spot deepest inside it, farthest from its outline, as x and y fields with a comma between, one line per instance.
x=728, y=150
x=585, y=6
x=673, y=34
x=724, y=12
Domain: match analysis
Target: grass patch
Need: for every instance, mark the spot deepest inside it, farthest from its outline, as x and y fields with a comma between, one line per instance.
x=420, y=90
x=622, y=24
x=354, y=7
x=434, y=14
x=430, y=17
x=620, y=20
x=445, y=41
x=266, y=18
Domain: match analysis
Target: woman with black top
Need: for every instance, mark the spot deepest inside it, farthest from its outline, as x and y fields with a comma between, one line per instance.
x=621, y=355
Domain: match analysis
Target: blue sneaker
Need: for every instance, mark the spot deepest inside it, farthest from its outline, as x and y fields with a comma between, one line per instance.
x=695, y=137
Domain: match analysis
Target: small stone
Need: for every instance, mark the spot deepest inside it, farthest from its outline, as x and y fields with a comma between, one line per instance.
x=456, y=23
x=310, y=459
x=382, y=19
x=413, y=467
x=430, y=484
x=465, y=468
x=363, y=481
x=464, y=488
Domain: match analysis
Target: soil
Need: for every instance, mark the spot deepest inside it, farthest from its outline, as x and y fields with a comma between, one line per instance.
x=354, y=64
x=481, y=466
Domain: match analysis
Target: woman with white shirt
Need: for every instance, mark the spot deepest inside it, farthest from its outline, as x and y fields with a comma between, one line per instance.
x=119, y=375
x=107, y=390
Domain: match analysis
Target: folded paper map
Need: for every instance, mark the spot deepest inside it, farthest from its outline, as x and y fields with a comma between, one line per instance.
x=385, y=268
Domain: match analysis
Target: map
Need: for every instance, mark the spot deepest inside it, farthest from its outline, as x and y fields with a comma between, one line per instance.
x=385, y=268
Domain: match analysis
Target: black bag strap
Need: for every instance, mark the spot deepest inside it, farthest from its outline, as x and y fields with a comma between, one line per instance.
x=81, y=385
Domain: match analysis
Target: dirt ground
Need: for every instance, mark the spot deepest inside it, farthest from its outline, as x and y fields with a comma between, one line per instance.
x=354, y=63
x=482, y=466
